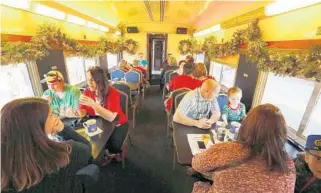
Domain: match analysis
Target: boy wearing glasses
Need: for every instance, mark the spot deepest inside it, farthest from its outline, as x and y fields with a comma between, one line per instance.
x=308, y=167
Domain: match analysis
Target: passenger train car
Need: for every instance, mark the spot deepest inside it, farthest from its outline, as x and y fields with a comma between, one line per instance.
x=270, y=50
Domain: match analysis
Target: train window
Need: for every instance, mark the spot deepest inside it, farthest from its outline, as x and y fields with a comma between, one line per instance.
x=228, y=76
x=112, y=60
x=15, y=81
x=89, y=63
x=76, y=70
x=200, y=57
x=216, y=70
x=291, y=95
x=314, y=124
x=224, y=74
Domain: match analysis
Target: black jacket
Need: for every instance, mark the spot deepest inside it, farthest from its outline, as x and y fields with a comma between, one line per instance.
x=63, y=180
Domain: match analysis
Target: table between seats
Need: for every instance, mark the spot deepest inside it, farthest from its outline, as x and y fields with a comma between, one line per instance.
x=99, y=141
x=181, y=146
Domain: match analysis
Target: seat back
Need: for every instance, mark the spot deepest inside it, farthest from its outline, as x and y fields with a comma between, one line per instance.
x=222, y=100
x=132, y=77
x=140, y=73
x=172, y=75
x=122, y=86
x=124, y=102
x=179, y=98
x=174, y=94
x=166, y=76
x=117, y=74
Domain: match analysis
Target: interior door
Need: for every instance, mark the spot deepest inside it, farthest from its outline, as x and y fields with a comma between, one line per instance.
x=158, y=55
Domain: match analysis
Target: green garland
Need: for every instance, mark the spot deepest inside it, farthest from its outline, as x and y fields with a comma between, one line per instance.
x=130, y=46
x=49, y=36
x=296, y=64
x=190, y=46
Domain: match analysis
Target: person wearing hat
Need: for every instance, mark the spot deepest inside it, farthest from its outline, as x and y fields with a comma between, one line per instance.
x=63, y=98
x=308, y=167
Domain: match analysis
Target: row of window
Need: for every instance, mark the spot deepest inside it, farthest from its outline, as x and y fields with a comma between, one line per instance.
x=290, y=94
x=16, y=82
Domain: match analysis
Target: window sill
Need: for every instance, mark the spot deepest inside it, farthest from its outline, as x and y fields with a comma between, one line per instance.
x=296, y=140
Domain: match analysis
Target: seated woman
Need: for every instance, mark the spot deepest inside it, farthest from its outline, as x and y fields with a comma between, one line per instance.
x=234, y=110
x=102, y=100
x=256, y=162
x=31, y=162
x=200, y=72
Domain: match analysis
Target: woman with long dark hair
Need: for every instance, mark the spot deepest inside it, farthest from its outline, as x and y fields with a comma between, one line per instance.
x=102, y=100
x=256, y=162
x=30, y=160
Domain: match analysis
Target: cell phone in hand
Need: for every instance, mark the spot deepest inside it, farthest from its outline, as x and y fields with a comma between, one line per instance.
x=201, y=145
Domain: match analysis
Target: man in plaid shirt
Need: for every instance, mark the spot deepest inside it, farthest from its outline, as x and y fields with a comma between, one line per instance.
x=199, y=107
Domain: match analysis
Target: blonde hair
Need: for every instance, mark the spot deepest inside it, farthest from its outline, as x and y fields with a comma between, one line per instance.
x=172, y=61
x=199, y=70
x=234, y=90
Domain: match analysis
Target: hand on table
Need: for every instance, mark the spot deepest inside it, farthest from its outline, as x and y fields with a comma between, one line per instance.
x=204, y=124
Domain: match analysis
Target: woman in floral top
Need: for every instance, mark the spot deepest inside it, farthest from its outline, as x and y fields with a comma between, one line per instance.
x=234, y=110
x=256, y=162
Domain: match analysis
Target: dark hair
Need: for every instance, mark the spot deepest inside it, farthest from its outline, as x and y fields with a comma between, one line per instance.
x=27, y=154
x=188, y=69
x=100, y=78
x=181, y=62
x=264, y=132
x=189, y=59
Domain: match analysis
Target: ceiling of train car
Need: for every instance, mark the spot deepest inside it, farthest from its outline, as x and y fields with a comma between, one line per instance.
x=197, y=14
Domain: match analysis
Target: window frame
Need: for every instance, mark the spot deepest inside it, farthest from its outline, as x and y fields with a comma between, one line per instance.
x=296, y=136
x=84, y=68
x=35, y=90
x=221, y=72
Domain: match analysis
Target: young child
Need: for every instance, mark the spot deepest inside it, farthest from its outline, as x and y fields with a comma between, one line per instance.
x=308, y=167
x=234, y=110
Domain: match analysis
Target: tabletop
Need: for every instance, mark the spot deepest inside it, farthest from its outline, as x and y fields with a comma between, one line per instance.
x=183, y=150
x=99, y=141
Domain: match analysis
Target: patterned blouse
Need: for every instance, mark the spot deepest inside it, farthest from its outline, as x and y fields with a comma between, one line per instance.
x=248, y=176
x=234, y=114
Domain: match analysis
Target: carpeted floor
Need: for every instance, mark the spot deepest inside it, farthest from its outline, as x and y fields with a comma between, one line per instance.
x=149, y=163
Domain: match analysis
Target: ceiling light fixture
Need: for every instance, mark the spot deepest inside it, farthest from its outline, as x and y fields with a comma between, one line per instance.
x=117, y=33
x=103, y=28
x=19, y=4
x=76, y=20
x=50, y=12
x=92, y=25
x=282, y=6
x=212, y=29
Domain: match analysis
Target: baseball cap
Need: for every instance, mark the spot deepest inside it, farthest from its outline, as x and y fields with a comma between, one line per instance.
x=313, y=143
x=53, y=76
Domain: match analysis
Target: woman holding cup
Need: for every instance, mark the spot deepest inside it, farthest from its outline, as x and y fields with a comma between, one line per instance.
x=102, y=100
